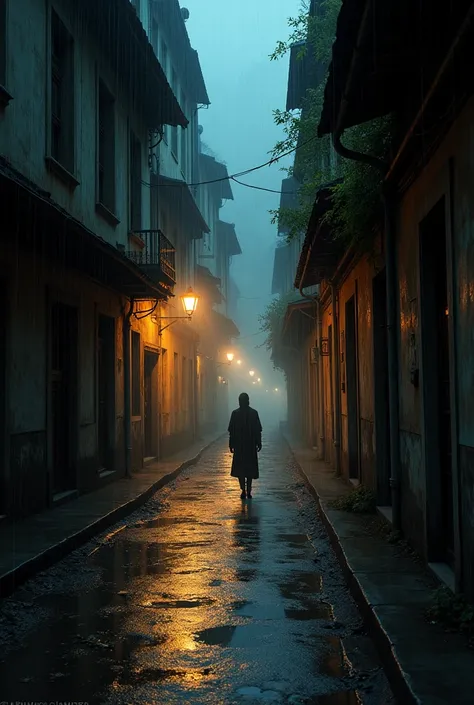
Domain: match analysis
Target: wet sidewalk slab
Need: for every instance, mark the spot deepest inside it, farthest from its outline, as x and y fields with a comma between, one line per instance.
x=425, y=664
x=36, y=542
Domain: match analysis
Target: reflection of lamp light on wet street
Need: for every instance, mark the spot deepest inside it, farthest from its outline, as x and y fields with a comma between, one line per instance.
x=230, y=356
x=251, y=373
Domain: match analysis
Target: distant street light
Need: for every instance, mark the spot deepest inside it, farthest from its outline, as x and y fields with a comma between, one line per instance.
x=276, y=389
x=259, y=380
x=239, y=362
x=230, y=356
x=251, y=373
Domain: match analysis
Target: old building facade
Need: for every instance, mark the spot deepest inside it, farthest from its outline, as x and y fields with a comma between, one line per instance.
x=98, y=123
x=393, y=347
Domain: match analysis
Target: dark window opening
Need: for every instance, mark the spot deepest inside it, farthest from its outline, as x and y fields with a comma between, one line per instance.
x=136, y=397
x=106, y=148
x=135, y=183
x=62, y=94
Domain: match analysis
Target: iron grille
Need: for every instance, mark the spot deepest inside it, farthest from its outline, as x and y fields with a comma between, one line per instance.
x=158, y=252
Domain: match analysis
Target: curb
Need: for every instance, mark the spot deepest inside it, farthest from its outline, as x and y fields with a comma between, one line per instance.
x=398, y=679
x=10, y=581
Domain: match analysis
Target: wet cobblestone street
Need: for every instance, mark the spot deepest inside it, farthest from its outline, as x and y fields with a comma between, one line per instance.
x=199, y=597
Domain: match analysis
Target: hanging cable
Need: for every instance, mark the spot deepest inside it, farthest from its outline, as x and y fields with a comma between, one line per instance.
x=273, y=160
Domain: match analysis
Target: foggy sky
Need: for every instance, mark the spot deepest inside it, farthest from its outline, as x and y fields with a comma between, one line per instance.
x=234, y=40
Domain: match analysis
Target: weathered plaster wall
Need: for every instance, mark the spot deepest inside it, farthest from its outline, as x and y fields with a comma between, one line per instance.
x=25, y=123
x=431, y=185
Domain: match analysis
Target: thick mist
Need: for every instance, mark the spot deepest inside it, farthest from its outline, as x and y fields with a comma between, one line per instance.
x=234, y=41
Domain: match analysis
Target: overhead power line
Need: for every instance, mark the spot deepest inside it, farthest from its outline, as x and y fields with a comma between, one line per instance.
x=238, y=174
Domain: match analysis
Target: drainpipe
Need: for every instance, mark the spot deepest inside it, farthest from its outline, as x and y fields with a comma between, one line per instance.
x=337, y=375
x=127, y=410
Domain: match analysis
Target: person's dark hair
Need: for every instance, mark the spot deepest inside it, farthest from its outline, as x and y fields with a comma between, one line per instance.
x=244, y=399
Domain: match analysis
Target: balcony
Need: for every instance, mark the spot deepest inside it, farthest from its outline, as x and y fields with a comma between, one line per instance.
x=156, y=257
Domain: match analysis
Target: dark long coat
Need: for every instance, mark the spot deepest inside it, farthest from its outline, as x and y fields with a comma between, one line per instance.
x=245, y=432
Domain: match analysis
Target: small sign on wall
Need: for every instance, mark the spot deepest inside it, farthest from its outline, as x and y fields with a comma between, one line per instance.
x=325, y=346
x=313, y=355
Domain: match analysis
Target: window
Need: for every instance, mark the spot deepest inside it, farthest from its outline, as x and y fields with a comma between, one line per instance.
x=136, y=396
x=3, y=42
x=106, y=148
x=135, y=183
x=174, y=129
x=62, y=94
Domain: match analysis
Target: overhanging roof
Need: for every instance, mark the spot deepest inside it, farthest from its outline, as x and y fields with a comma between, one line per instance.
x=391, y=50
x=185, y=58
x=50, y=231
x=124, y=42
x=216, y=173
x=226, y=231
x=300, y=319
x=209, y=282
x=225, y=325
x=321, y=251
x=177, y=195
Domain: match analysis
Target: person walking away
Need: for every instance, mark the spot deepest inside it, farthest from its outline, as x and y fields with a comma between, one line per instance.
x=245, y=442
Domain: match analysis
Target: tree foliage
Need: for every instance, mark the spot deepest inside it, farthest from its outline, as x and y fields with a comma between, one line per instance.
x=271, y=321
x=357, y=198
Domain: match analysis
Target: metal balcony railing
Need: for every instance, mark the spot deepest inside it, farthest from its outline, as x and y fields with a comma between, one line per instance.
x=157, y=253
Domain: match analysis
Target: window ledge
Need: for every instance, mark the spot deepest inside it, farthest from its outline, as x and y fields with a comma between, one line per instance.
x=61, y=172
x=5, y=96
x=107, y=214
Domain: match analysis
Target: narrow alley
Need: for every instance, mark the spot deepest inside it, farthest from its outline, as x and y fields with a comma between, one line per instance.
x=199, y=597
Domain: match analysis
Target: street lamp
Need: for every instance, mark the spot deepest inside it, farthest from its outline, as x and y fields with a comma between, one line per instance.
x=189, y=301
x=239, y=362
x=276, y=389
x=259, y=380
x=230, y=356
x=251, y=373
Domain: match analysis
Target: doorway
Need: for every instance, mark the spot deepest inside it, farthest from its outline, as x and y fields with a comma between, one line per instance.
x=381, y=399
x=331, y=387
x=106, y=392
x=351, y=385
x=64, y=339
x=150, y=401
x=436, y=385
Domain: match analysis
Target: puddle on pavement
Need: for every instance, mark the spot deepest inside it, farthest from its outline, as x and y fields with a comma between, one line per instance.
x=157, y=675
x=301, y=584
x=252, y=694
x=342, y=697
x=216, y=636
x=333, y=659
x=245, y=575
x=318, y=610
x=178, y=604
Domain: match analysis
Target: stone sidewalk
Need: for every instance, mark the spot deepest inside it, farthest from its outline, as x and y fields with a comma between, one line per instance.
x=32, y=544
x=425, y=664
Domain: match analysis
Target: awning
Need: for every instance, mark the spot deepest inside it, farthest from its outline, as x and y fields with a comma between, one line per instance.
x=42, y=226
x=321, y=251
x=123, y=40
x=177, y=195
x=226, y=232
x=392, y=64
x=210, y=283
